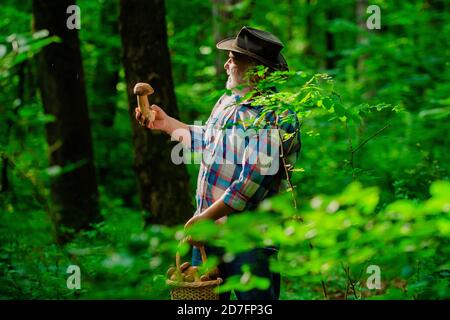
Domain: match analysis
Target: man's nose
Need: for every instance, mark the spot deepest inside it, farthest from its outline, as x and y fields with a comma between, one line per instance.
x=225, y=66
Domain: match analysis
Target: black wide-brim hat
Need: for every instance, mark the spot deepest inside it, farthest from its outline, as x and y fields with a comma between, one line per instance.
x=257, y=44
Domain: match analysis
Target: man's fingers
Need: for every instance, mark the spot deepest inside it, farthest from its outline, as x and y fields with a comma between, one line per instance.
x=138, y=115
x=155, y=107
x=144, y=122
x=192, y=242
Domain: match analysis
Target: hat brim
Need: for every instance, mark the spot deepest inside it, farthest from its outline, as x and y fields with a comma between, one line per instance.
x=229, y=44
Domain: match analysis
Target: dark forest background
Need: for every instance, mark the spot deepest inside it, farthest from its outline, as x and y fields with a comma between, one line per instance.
x=82, y=184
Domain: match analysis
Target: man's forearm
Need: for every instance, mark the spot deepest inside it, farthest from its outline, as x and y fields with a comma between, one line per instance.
x=178, y=130
x=174, y=124
x=217, y=210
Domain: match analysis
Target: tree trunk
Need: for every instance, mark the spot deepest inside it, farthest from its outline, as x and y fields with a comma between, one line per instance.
x=330, y=54
x=163, y=186
x=103, y=99
x=290, y=20
x=223, y=25
x=61, y=80
x=4, y=182
x=309, y=26
x=361, y=7
x=216, y=32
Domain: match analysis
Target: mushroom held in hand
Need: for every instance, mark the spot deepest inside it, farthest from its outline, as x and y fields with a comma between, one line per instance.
x=143, y=90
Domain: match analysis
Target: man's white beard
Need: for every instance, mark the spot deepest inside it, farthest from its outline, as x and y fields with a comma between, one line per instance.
x=232, y=83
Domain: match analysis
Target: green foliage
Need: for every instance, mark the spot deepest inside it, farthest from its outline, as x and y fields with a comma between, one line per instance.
x=348, y=234
x=371, y=182
x=23, y=48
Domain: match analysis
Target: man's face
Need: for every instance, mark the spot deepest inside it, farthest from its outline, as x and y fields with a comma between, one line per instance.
x=235, y=71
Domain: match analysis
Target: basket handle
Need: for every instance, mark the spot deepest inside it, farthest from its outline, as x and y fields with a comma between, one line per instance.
x=202, y=253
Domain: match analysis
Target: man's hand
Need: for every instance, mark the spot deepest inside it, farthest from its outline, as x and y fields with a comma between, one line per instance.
x=194, y=219
x=161, y=121
x=216, y=211
x=188, y=224
x=189, y=240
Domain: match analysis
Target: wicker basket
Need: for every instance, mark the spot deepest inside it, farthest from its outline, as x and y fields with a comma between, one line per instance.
x=198, y=290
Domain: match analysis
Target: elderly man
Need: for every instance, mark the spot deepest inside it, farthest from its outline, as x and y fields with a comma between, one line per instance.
x=225, y=187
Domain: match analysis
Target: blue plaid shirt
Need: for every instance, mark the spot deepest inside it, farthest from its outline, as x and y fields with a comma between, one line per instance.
x=228, y=173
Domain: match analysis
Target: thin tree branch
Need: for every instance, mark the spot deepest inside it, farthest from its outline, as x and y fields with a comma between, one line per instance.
x=371, y=137
x=349, y=280
x=350, y=145
x=353, y=151
x=324, y=290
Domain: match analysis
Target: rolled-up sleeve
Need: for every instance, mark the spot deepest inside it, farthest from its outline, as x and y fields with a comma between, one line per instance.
x=197, y=133
x=260, y=164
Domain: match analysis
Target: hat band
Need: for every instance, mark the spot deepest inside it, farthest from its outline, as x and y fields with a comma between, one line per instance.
x=270, y=63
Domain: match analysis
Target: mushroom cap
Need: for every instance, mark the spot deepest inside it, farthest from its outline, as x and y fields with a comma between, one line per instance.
x=143, y=89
